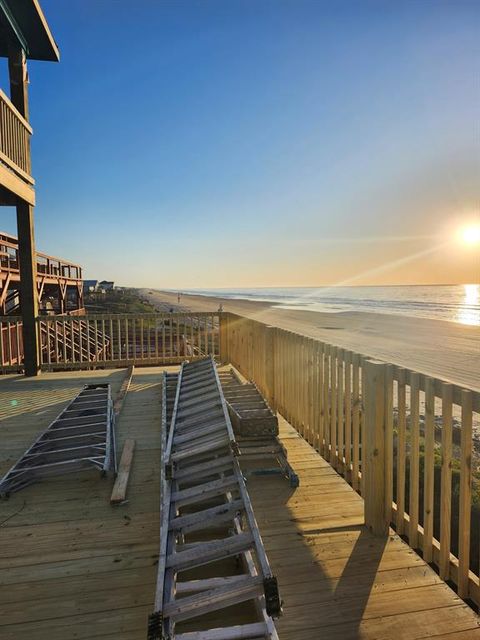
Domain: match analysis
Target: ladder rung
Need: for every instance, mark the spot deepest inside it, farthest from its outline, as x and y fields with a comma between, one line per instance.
x=197, y=433
x=194, y=586
x=201, y=398
x=187, y=415
x=209, y=552
x=239, y=632
x=197, y=441
x=209, y=468
x=206, y=518
x=203, y=491
x=220, y=443
x=214, y=599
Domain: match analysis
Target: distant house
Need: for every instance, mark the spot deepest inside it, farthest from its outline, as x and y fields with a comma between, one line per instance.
x=90, y=286
x=105, y=285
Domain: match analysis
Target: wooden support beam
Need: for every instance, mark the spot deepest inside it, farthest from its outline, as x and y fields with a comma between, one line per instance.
x=28, y=288
x=17, y=67
x=119, y=492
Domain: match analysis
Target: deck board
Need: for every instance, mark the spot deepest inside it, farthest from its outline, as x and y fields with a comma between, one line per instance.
x=73, y=566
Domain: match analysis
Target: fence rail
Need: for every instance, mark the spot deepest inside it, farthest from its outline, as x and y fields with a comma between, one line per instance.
x=15, y=133
x=403, y=440
x=76, y=342
x=46, y=265
x=11, y=343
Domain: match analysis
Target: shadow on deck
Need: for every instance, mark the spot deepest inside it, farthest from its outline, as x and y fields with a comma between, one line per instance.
x=72, y=566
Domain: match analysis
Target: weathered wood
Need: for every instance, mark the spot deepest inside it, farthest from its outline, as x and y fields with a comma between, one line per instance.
x=119, y=491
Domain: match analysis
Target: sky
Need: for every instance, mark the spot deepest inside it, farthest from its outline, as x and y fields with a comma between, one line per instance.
x=184, y=144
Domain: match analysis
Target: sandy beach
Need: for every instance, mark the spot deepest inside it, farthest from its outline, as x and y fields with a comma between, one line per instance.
x=446, y=350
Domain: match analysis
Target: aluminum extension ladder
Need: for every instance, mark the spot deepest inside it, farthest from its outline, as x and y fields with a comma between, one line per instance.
x=207, y=522
x=81, y=437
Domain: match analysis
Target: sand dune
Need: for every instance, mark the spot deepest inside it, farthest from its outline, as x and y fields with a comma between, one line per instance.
x=438, y=348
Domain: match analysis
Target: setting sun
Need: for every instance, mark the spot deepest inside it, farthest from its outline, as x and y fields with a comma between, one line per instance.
x=471, y=234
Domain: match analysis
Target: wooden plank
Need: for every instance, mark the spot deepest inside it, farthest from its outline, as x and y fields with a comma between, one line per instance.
x=348, y=415
x=401, y=444
x=465, y=496
x=119, y=492
x=122, y=394
x=413, y=504
x=356, y=421
x=333, y=408
x=429, y=461
x=446, y=488
x=376, y=518
x=340, y=409
x=388, y=439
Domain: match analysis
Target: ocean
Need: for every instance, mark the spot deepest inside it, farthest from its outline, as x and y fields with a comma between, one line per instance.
x=456, y=303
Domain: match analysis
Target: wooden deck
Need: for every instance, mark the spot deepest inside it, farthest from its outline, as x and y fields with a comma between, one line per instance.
x=72, y=566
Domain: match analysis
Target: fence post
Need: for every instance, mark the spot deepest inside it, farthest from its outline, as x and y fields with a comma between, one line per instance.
x=376, y=518
x=223, y=337
x=270, y=367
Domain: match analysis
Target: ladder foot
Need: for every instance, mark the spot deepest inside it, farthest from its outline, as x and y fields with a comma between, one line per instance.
x=272, y=597
x=155, y=622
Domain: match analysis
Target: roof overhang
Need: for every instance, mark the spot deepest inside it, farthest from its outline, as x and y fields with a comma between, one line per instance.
x=27, y=22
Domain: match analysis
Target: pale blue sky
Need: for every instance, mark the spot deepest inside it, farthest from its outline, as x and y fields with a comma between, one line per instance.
x=213, y=143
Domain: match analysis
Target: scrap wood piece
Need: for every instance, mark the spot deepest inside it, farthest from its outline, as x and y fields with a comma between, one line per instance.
x=119, y=491
x=118, y=404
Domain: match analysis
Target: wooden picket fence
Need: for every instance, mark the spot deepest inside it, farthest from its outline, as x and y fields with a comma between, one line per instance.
x=383, y=428
x=112, y=340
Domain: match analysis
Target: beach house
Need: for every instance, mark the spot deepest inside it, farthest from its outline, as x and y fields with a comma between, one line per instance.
x=24, y=35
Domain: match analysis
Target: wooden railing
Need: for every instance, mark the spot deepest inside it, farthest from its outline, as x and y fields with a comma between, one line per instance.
x=113, y=340
x=403, y=440
x=123, y=339
x=11, y=343
x=46, y=265
x=15, y=135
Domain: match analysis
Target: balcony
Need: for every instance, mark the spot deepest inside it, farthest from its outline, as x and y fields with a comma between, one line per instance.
x=15, y=165
x=49, y=268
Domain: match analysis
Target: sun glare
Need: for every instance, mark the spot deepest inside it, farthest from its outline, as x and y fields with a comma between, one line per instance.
x=471, y=235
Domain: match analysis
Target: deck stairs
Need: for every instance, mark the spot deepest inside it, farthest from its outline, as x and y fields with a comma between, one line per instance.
x=74, y=341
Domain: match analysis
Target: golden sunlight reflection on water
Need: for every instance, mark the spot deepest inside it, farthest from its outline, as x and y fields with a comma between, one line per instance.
x=469, y=312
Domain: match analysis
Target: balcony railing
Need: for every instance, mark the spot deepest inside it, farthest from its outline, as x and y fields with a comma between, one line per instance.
x=15, y=135
x=46, y=265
